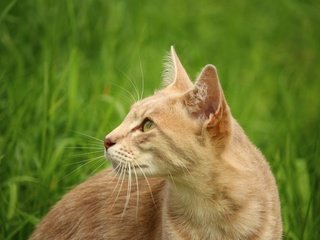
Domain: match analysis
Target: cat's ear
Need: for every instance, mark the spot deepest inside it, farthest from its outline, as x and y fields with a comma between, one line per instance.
x=206, y=100
x=175, y=76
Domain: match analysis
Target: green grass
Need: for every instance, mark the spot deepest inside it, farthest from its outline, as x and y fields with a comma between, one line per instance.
x=63, y=67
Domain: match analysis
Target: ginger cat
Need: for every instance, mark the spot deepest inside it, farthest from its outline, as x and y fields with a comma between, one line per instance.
x=182, y=169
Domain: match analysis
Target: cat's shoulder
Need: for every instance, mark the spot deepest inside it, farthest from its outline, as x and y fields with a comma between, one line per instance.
x=90, y=205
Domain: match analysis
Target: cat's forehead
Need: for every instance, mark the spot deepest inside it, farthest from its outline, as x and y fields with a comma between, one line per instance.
x=147, y=104
x=154, y=104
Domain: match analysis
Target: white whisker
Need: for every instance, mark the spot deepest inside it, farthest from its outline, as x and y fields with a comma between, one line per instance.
x=184, y=167
x=122, y=180
x=133, y=98
x=137, y=184
x=172, y=179
x=95, y=145
x=99, y=166
x=89, y=161
x=86, y=153
x=86, y=160
x=117, y=175
x=128, y=164
x=128, y=100
x=146, y=181
x=93, y=148
x=142, y=79
x=85, y=135
x=133, y=85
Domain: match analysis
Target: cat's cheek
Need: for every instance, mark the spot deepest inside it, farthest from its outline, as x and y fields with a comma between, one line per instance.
x=143, y=139
x=145, y=159
x=143, y=146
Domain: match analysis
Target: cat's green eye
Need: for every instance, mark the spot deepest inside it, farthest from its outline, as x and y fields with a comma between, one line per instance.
x=147, y=125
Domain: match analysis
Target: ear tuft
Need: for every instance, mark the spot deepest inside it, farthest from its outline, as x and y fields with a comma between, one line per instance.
x=168, y=74
x=174, y=74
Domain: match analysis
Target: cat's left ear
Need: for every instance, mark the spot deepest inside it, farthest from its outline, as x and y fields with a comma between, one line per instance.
x=206, y=100
x=175, y=76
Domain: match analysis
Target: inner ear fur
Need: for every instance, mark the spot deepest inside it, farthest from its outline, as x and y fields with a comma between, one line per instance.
x=175, y=76
x=206, y=100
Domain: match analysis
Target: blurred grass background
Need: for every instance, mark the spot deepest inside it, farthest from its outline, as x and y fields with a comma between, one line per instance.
x=65, y=65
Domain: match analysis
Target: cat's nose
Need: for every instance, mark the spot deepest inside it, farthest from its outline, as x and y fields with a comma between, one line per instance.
x=108, y=143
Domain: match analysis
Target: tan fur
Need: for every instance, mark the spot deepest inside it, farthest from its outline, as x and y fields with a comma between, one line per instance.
x=194, y=175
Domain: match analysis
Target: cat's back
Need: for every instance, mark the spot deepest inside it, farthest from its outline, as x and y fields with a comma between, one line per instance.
x=106, y=207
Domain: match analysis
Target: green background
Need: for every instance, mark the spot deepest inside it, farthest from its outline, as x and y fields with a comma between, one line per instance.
x=66, y=68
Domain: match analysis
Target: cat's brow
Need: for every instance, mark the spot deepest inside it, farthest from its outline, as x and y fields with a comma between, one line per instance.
x=144, y=111
x=137, y=114
x=155, y=113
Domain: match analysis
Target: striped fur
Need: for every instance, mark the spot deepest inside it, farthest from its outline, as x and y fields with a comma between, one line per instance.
x=193, y=175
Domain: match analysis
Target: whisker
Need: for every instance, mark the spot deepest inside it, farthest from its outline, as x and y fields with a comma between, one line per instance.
x=142, y=78
x=90, y=144
x=172, y=179
x=86, y=153
x=86, y=135
x=122, y=180
x=89, y=161
x=117, y=175
x=127, y=99
x=184, y=167
x=93, y=148
x=114, y=170
x=128, y=164
x=133, y=99
x=86, y=160
x=101, y=145
x=146, y=181
x=95, y=170
x=137, y=184
x=97, y=146
x=133, y=84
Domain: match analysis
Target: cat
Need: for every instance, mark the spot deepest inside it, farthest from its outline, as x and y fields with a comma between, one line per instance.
x=183, y=168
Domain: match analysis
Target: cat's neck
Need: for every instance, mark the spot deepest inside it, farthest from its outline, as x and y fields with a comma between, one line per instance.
x=190, y=204
x=204, y=202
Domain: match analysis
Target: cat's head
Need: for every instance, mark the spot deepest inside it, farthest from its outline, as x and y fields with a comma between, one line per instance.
x=174, y=131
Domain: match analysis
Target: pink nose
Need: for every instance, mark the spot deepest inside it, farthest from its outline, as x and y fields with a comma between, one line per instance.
x=108, y=143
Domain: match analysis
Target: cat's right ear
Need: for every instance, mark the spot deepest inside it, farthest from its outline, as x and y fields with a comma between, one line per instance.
x=175, y=76
x=206, y=100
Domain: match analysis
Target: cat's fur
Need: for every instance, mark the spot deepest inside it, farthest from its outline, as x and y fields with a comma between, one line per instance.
x=193, y=175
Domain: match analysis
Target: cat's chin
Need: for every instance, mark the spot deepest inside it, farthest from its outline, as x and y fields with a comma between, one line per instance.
x=129, y=168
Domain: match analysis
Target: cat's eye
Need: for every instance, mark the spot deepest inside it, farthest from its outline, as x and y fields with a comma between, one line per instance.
x=147, y=125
